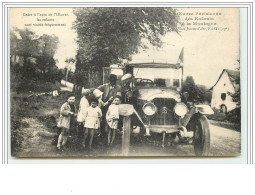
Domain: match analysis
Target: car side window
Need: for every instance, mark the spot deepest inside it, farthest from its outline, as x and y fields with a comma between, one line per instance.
x=176, y=83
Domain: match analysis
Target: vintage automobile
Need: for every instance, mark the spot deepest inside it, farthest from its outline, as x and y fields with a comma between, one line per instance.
x=157, y=107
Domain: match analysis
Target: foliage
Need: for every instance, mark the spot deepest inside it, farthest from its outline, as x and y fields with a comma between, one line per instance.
x=190, y=87
x=196, y=92
x=24, y=43
x=235, y=115
x=110, y=35
x=47, y=49
x=236, y=96
x=38, y=63
x=204, y=93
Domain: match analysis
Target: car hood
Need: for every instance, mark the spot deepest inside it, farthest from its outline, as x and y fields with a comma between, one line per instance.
x=149, y=94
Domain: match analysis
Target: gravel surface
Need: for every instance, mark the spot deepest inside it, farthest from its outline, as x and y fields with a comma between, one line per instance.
x=38, y=139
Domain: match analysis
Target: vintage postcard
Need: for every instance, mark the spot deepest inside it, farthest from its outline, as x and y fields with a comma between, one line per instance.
x=114, y=82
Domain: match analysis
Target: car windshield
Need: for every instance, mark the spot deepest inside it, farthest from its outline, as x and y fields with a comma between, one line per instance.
x=162, y=77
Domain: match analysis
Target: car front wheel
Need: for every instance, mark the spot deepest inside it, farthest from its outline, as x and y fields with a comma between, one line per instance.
x=201, y=136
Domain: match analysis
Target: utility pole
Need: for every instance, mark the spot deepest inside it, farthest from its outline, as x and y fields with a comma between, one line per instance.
x=67, y=71
x=68, y=61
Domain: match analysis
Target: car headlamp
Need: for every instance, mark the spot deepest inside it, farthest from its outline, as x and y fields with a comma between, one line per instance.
x=180, y=109
x=149, y=109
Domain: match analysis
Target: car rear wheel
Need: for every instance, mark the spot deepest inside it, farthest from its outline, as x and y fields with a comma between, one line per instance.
x=201, y=136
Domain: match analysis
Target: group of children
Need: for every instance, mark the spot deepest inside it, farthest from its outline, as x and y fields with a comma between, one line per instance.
x=89, y=117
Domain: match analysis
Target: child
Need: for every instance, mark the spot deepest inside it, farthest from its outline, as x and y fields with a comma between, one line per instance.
x=67, y=113
x=84, y=104
x=98, y=95
x=112, y=118
x=103, y=106
x=92, y=121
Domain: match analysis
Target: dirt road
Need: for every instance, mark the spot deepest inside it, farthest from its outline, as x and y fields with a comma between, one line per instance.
x=224, y=142
x=37, y=143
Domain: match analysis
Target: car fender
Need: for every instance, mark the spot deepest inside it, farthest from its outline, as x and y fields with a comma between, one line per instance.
x=128, y=110
x=197, y=109
x=204, y=109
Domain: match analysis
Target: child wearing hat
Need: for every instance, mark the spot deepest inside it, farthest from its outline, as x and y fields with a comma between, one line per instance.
x=112, y=118
x=103, y=106
x=66, y=119
x=92, y=121
x=98, y=95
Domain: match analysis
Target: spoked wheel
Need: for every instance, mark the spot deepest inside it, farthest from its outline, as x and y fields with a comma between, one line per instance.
x=201, y=136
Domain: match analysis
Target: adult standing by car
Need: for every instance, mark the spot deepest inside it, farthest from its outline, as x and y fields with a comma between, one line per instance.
x=109, y=90
x=66, y=120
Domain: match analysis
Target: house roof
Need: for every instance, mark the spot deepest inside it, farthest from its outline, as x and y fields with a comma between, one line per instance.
x=233, y=76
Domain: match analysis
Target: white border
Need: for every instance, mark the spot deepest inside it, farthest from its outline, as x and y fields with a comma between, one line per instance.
x=245, y=87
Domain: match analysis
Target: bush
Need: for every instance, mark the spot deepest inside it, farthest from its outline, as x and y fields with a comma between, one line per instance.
x=234, y=116
x=17, y=134
x=26, y=78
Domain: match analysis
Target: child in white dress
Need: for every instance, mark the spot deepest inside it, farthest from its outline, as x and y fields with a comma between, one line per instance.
x=92, y=121
x=104, y=107
x=84, y=104
x=112, y=118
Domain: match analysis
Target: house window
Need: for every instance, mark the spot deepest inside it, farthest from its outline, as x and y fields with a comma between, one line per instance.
x=176, y=83
x=223, y=96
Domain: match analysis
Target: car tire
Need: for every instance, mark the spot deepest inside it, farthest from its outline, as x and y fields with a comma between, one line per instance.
x=201, y=137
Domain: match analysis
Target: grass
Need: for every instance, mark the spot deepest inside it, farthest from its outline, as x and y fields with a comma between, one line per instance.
x=44, y=108
x=224, y=120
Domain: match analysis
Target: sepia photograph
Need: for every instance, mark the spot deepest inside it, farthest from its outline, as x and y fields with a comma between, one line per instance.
x=124, y=82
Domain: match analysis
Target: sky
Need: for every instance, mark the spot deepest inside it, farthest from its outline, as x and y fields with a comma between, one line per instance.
x=206, y=51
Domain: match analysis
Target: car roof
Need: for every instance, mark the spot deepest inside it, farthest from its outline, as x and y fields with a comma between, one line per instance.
x=154, y=65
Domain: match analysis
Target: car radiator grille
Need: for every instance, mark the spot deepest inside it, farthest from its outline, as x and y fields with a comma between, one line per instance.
x=165, y=112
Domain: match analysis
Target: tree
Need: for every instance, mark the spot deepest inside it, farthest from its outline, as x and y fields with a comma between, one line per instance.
x=26, y=45
x=236, y=95
x=235, y=115
x=110, y=35
x=190, y=87
x=69, y=61
x=47, y=46
x=38, y=62
x=23, y=43
x=204, y=93
x=13, y=43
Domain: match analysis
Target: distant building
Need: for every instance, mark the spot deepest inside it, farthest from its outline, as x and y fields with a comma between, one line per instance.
x=225, y=86
x=19, y=59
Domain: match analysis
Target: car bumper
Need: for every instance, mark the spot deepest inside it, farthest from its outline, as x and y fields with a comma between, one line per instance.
x=163, y=128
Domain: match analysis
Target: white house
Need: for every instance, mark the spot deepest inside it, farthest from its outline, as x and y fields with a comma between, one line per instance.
x=223, y=88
